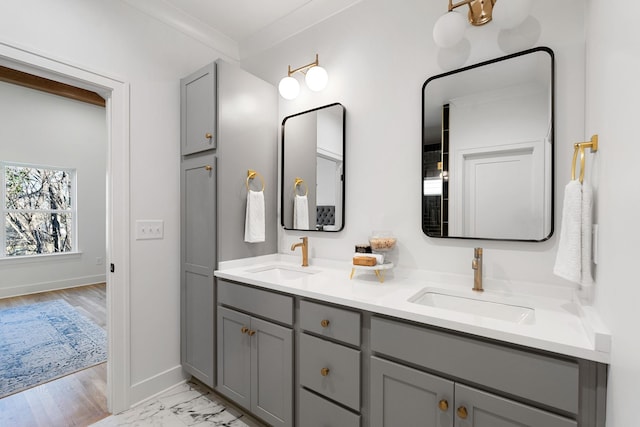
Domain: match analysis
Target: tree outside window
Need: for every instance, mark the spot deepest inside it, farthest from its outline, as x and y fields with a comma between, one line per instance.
x=38, y=209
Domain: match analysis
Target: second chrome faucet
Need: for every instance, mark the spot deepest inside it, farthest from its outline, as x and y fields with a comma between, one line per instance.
x=305, y=250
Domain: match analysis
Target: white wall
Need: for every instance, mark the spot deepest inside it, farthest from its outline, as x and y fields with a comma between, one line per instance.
x=114, y=39
x=613, y=94
x=48, y=130
x=378, y=55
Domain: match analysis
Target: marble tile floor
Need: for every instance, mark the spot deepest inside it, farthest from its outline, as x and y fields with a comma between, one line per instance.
x=189, y=404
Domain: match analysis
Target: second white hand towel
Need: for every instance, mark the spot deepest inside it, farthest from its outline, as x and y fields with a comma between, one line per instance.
x=569, y=257
x=301, y=212
x=587, y=223
x=254, y=223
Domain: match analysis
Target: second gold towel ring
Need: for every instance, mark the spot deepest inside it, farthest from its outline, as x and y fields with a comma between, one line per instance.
x=580, y=146
x=297, y=182
x=251, y=174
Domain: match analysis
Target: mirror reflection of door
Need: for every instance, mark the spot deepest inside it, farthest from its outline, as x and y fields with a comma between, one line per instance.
x=312, y=170
x=488, y=150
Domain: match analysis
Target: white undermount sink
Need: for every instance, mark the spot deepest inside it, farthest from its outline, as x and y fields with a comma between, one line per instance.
x=484, y=304
x=282, y=272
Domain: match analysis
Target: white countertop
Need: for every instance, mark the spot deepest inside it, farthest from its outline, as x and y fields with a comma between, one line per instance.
x=561, y=325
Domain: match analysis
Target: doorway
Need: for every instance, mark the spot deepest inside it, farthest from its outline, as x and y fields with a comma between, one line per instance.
x=116, y=94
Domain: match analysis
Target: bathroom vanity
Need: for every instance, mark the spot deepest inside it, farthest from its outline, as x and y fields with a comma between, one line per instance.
x=307, y=346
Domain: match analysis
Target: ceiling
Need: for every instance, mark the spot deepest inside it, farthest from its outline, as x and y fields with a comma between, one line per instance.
x=239, y=28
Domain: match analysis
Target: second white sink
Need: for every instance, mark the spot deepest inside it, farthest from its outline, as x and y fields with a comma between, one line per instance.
x=282, y=272
x=484, y=304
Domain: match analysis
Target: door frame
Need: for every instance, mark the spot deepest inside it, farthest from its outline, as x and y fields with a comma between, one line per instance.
x=116, y=92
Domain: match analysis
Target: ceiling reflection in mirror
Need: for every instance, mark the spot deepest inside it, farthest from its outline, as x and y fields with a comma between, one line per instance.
x=487, y=150
x=312, y=169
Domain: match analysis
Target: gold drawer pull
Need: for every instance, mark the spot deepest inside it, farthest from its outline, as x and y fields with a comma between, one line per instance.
x=443, y=405
x=208, y=168
x=244, y=330
x=462, y=413
x=324, y=323
x=208, y=136
x=251, y=333
x=324, y=372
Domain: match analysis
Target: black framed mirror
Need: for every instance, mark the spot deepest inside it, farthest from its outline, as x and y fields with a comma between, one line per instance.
x=487, y=149
x=312, y=169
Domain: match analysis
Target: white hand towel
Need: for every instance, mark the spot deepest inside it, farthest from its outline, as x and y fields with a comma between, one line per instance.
x=254, y=224
x=573, y=260
x=301, y=212
x=569, y=257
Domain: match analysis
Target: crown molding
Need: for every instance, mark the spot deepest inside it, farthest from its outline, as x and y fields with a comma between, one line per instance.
x=304, y=17
x=188, y=25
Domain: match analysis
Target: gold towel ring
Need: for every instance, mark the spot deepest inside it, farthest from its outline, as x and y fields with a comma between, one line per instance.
x=580, y=146
x=297, y=182
x=251, y=174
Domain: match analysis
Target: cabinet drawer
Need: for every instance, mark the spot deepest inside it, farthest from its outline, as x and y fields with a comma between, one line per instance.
x=544, y=379
x=342, y=380
x=318, y=412
x=256, y=301
x=330, y=322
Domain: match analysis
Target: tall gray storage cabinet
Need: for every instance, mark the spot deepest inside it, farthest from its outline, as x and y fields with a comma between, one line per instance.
x=229, y=121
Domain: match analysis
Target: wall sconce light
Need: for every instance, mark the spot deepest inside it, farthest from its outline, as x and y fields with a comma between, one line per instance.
x=449, y=29
x=316, y=78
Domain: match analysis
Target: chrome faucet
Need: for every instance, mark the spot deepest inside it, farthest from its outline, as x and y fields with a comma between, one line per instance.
x=305, y=250
x=476, y=264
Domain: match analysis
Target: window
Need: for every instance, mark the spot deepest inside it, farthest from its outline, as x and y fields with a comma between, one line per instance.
x=38, y=209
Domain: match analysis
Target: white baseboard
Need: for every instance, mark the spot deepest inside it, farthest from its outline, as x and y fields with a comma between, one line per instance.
x=151, y=387
x=35, y=288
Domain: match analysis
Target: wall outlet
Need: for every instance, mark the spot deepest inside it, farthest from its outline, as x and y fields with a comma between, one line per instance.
x=149, y=229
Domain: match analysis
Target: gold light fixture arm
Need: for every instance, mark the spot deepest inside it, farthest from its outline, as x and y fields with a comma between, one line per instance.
x=480, y=11
x=304, y=68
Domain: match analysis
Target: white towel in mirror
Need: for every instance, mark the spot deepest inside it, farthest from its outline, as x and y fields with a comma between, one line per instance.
x=254, y=223
x=301, y=212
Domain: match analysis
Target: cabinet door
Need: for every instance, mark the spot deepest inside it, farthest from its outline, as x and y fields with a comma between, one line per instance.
x=198, y=256
x=272, y=373
x=198, y=111
x=234, y=356
x=483, y=409
x=402, y=396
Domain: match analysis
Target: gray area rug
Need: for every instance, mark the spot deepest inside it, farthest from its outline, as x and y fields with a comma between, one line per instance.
x=44, y=341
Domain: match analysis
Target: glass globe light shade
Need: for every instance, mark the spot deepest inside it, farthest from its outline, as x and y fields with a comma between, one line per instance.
x=510, y=14
x=449, y=29
x=316, y=78
x=289, y=88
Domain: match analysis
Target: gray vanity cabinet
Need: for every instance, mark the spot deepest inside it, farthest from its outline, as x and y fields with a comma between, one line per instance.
x=402, y=396
x=198, y=237
x=255, y=355
x=405, y=396
x=198, y=111
x=547, y=381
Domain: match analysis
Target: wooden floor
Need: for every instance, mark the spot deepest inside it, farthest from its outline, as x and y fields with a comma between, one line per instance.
x=75, y=400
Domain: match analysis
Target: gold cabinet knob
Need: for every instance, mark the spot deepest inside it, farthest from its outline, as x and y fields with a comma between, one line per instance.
x=208, y=168
x=324, y=372
x=443, y=405
x=324, y=323
x=208, y=136
x=244, y=330
x=462, y=413
x=251, y=333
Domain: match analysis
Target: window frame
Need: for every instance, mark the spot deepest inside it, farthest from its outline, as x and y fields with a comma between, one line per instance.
x=73, y=175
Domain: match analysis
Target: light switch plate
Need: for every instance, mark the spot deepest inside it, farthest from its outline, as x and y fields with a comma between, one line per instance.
x=149, y=229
